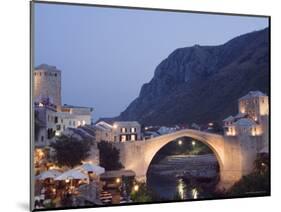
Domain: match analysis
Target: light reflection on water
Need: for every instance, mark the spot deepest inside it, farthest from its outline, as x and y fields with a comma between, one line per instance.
x=181, y=188
x=183, y=191
x=194, y=193
x=169, y=189
x=170, y=179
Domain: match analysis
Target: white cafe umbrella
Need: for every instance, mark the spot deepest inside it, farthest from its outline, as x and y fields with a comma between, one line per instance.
x=71, y=175
x=88, y=167
x=48, y=174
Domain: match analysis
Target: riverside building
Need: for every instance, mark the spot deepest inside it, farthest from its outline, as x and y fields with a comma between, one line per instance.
x=51, y=117
x=252, y=118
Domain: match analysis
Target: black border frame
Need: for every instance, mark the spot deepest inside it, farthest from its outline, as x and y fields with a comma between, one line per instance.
x=31, y=66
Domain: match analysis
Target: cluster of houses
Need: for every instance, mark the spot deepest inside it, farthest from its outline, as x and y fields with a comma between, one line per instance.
x=54, y=118
x=252, y=117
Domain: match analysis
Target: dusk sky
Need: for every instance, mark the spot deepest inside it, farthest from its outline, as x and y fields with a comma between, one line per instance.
x=106, y=54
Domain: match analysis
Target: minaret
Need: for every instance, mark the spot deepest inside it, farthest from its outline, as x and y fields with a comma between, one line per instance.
x=47, y=84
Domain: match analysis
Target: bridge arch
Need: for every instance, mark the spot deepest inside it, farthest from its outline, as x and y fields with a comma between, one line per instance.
x=138, y=155
x=213, y=141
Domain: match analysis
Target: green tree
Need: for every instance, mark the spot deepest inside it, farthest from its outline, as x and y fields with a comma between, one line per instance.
x=142, y=194
x=109, y=156
x=261, y=164
x=70, y=151
x=256, y=183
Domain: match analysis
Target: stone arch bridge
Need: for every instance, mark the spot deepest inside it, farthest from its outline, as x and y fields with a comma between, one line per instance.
x=235, y=156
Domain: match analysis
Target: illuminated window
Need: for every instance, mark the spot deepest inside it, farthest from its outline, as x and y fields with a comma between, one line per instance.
x=133, y=137
x=133, y=129
x=123, y=130
x=123, y=138
x=79, y=123
x=83, y=122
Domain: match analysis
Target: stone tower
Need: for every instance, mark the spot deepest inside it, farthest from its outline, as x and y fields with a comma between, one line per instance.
x=47, y=84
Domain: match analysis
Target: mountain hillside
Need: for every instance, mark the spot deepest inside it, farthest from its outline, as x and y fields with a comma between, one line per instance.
x=202, y=83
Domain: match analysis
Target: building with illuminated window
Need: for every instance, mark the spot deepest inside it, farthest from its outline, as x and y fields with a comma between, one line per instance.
x=119, y=131
x=252, y=118
x=51, y=117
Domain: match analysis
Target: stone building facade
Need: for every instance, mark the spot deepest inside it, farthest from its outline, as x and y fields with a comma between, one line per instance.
x=47, y=84
x=119, y=131
x=252, y=119
x=51, y=117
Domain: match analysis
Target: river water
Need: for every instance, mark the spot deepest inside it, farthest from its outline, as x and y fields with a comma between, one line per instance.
x=183, y=177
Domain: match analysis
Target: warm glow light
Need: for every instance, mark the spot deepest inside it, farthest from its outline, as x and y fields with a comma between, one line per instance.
x=53, y=167
x=193, y=143
x=118, y=180
x=180, y=189
x=115, y=126
x=40, y=152
x=256, y=131
x=41, y=104
x=83, y=122
x=136, y=187
x=133, y=137
x=179, y=142
x=194, y=193
x=146, y=128
x=57, y=133
x=211, y=124
x=123, y=138
x=231, y=132
x=67, y=180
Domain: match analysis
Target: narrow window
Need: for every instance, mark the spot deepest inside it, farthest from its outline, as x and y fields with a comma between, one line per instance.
x=133, y=137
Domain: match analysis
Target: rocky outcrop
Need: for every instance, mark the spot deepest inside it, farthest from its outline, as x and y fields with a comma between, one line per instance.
x=202, y=83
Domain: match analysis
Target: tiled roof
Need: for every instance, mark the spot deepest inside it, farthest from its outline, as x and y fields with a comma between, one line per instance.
x=253, y=94
x=229, y=118
x=47, y=67
x=245, y=122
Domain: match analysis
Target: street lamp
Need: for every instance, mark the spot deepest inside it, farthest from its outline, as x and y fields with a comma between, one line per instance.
x=193, y=143
x=118, y=180
x=136, y=188
x=180, y=142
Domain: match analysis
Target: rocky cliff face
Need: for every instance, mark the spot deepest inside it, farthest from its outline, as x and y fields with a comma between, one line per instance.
x=202, y=83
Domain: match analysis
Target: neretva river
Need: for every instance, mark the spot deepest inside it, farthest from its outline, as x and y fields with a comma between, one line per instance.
x=184, y=177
